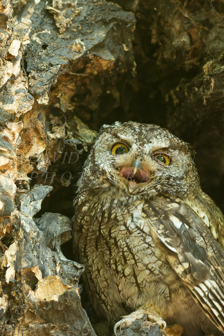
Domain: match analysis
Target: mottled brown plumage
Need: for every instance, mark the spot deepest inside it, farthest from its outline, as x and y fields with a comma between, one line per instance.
x=150, y=239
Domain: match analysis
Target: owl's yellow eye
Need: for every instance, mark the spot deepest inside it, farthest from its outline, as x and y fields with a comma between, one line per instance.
x=119, y=149
x=163, y=158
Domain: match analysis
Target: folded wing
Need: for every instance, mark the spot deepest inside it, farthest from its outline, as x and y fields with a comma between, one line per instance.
x=192, y=252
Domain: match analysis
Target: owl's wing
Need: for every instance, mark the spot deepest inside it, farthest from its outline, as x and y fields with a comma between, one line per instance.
x=215, y=218
x=192, y=252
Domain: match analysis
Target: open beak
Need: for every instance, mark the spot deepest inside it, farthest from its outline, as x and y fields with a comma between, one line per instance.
x=135, y=174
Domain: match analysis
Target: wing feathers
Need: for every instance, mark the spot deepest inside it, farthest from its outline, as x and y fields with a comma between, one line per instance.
x=192, y=252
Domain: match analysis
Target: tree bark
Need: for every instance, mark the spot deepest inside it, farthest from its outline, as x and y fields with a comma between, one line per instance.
x=67, y=67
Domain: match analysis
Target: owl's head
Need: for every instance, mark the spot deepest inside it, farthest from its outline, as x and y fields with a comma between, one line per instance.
x=140, y=159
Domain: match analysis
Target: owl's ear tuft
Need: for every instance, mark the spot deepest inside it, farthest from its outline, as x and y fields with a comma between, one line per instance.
x=103, y=128
x=109, y=128
x=192, y=152
x=186, y=148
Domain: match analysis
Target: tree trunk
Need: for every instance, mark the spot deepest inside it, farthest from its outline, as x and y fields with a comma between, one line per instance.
x=66, y=68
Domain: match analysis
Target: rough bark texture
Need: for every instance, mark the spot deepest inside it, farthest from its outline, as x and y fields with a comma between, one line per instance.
x=66, y=67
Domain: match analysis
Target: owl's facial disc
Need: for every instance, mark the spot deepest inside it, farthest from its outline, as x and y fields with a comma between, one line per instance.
x=134, y=178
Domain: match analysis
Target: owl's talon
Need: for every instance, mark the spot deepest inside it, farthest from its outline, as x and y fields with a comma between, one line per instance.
x=162, y=325
x=129, y=319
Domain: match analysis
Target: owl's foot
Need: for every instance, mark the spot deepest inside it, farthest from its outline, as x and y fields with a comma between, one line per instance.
x=153, y=317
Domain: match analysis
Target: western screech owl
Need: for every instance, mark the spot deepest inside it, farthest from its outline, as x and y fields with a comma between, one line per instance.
x=150, y=239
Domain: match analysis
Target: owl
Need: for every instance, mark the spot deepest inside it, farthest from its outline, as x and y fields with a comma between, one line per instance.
x=150, y=239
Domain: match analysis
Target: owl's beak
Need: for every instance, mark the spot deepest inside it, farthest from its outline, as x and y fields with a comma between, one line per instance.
x=136, y=165
x=135, y=173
